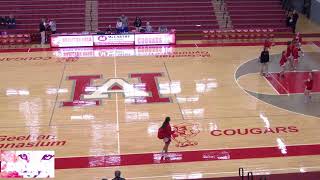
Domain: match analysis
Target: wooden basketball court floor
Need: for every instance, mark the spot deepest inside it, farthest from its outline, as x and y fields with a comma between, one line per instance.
x=45, y=104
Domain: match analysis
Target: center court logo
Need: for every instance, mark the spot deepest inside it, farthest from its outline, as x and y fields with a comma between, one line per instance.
x=184, y=134
x=145, y=91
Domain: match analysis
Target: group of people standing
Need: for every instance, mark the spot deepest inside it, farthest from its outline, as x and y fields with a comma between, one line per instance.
x=289, y=60
x=292, y=19
x=122, y=25
x=7, y=22
x=47, y=27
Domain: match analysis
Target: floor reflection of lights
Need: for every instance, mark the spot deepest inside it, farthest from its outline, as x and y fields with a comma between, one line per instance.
x=206, y=85
x=173, y=87
x=31, y=110
x=136, y=116
x=19, y=92
x=193, y=113
x=187, y=99
x=282, y=146
x=264, y=119
x=55, y=91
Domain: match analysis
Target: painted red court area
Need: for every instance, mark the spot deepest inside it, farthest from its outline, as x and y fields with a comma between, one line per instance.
x=293, y=82
x=317, y=43
x=289, y=176
x=186, y=156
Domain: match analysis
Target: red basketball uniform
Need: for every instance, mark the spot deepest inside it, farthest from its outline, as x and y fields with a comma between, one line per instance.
x=289, y=50
x=309, y=84
x=298, y=38
x=295, y=53
x=167, y=132
x=283, y=60
x=267, y=44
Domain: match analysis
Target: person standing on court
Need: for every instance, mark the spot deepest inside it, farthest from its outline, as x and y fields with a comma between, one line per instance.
x=282, y=63
x=308, y=87
x=295, y=56
x=117, y=175
x=42, y=30
x=165, y=133
x=264, y=60
x=295, y=17
x=288, y=54
x=267, y=43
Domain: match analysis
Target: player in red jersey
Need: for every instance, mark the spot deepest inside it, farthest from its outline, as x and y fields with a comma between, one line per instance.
x=298, y=40
x=295, y=55
x=267, y=44
x=308, y=87
x=289, y=52
x=165, y=133
x=282, y=63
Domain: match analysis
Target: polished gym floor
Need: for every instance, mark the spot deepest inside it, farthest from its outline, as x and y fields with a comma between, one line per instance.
x=100, y=109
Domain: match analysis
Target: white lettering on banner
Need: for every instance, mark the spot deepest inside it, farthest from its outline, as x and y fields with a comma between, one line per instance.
x=149, y=39
x=109, y=40
x=134, y=51
x=115, y=85
x=105, y=40
x=71, y=41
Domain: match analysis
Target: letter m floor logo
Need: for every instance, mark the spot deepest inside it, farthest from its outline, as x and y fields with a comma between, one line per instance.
x=146, y=91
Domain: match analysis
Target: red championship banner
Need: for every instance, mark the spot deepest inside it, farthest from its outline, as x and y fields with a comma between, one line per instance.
x=72, y=41
x=109, y=40
x=154, y=39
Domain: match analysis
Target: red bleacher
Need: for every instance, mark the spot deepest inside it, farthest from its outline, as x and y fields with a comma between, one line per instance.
x=186, y=16
x=15, y=39
x=257, y=14
x=69, y=14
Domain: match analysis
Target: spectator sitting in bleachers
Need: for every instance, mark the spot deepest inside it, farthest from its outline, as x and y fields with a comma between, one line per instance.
x=163, y=29
x=3, y=23
x=117, y=175
x=137, y=23
x=11, y=22
x=148, y=28
x=124, y=21
x=99, y=32
x=109, y=30
x=53, y=26
x=119, y=27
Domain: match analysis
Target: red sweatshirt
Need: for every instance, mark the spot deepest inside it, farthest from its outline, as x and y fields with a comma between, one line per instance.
x=167, y=131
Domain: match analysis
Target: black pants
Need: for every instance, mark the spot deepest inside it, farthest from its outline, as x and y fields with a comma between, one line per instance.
x=294, y=27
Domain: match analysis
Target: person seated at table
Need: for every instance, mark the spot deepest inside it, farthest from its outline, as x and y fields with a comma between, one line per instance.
x=53, y=26
x=148, y=28
x=137, y=23
x=3, y=23
x=119, y=26
x=163, y=29
x=109, y=30
x=11, y=22
x=99, y=32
